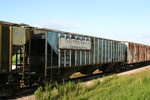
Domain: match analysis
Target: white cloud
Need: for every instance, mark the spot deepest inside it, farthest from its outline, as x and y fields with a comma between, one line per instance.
x=57, y=24
x=143, y=39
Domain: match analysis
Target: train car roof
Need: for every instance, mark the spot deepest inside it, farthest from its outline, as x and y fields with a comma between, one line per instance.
x=52, y=30
x=58, y=31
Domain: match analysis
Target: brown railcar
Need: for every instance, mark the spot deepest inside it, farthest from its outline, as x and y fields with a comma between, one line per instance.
x=137, y=53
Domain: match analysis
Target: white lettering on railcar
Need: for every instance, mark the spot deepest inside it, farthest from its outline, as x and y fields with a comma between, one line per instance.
x=74, y=44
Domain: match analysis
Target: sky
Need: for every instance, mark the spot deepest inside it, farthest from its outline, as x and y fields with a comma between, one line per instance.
x=124, y=20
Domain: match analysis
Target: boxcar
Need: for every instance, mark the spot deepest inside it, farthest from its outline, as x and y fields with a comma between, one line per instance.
x=137, y=53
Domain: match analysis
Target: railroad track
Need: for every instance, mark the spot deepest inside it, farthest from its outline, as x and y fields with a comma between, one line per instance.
x=101, y=74
x=26, y=91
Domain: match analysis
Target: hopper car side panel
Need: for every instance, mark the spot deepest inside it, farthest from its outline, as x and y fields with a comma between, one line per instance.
x=101, y=51
x=82, y=52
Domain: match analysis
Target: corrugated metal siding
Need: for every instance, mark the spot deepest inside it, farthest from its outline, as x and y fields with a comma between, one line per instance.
x=102, y=51
x=73, y=57
x=137, y=52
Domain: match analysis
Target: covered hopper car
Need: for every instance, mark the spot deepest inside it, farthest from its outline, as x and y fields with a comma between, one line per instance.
x=61, y=54
x=37, y=55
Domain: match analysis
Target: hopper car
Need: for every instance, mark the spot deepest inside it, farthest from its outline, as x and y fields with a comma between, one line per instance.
x=31, y=55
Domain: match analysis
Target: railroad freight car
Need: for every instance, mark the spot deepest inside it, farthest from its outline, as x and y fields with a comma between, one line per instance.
x=41, y=55
x=12, y=39
x=137, y=53
x=60, y=54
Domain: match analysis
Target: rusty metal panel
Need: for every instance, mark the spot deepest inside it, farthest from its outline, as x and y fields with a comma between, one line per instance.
x=18, y=35
x=136, y=52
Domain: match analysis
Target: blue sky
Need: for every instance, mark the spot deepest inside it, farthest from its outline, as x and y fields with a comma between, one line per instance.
x=126, y=20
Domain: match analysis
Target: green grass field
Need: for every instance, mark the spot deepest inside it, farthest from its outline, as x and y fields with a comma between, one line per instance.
x=135, y=87
x=14, y=60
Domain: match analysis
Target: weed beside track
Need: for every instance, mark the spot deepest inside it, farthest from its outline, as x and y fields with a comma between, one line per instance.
x=111, y=88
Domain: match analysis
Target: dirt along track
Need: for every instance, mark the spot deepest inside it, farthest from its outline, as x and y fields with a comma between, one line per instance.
x=131, y=71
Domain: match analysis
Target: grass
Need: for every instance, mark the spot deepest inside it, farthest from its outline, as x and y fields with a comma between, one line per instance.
x=136, y=87
x=14, y=60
